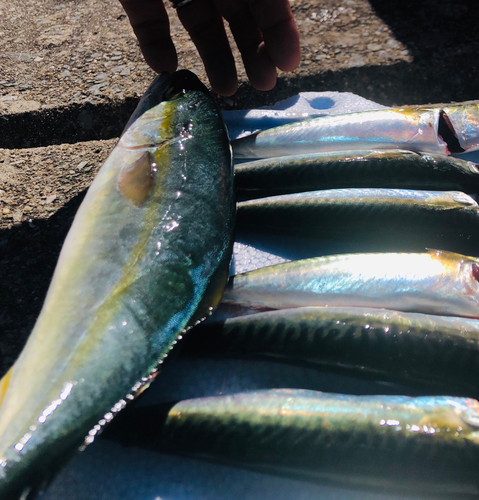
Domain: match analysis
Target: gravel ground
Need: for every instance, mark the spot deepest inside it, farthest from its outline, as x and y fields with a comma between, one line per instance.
x=71, y=73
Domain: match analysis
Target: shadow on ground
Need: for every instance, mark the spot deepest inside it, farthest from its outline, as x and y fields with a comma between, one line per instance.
x=65, y=125
x=430, y=27
x=28, y=258
x=425, y=80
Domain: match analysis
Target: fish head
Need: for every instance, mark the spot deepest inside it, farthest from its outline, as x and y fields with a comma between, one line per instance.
x=469, y=415
x=469, y=278
x=165, y=111
x=463, y=121
x=464, y=270
x=451, y=418
x=166, y=87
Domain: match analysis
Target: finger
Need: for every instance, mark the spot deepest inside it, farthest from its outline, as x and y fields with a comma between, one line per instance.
x=205, y=27
x=260, y=69
x=149, y=21
x=275, y=20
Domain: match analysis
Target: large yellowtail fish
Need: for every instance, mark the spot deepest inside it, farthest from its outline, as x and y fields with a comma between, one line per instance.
x=147, y=256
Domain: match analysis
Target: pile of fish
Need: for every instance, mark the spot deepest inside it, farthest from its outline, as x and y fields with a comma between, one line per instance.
x=387, y=289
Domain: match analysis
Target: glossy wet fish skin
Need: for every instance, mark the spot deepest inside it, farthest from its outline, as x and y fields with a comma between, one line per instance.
x=434, y=282
x=435, y=353
x=355, y=169
x=368, y=220
x=411, y=129
x=147, y=254
x=464, y=120
x=439, y=130
x=425, y=443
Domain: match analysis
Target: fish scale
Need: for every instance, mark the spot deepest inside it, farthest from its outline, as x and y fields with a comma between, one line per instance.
x=369, y=219
x=355, y=169
x=426, y=351
x=434, y=282
x=429, y=444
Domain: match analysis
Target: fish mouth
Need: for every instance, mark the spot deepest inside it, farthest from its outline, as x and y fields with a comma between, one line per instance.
x=181, y=80
x=166, y=87
x=446, y=132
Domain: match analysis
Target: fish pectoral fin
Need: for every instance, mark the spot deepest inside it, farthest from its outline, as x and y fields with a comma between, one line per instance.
x=137, y=181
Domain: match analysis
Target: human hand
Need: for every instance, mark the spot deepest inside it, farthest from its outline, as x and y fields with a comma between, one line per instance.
x=264, y=31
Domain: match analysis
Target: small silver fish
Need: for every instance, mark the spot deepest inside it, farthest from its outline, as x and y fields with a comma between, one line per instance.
x=367, y=220
x=398, y=443
x=452, y=129
x=423, y=350
x=434, y=282
x=355, y=169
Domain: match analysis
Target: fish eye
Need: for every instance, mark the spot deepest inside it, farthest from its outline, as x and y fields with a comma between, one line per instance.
x=475, y=271
x=473, y=167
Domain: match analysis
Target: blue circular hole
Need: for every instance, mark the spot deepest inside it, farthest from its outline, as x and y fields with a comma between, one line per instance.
x=321, y=103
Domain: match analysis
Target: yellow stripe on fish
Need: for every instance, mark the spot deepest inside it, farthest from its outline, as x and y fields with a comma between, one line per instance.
x=147, y=254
